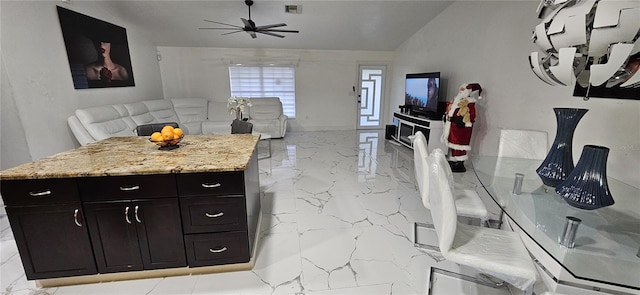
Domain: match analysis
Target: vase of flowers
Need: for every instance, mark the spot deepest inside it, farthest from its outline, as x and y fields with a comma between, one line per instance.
x=237, y=105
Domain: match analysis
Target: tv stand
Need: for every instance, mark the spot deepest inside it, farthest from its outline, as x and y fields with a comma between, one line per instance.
x=407, y=125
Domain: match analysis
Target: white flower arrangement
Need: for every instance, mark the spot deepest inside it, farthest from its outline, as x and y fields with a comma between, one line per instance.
x=237, y=105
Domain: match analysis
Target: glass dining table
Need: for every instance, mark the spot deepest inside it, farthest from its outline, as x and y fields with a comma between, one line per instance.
x=607, y=240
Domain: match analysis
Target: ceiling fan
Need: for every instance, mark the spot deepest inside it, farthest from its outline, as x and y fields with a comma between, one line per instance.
x=250, y=26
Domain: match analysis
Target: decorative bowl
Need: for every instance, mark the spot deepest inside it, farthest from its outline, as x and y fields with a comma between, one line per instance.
x=168, y=144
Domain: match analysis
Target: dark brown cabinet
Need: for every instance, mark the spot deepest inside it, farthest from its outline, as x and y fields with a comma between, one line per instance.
x=46, y=217
x=219, y=215
x=133, y=223
x=136, y=235
x=82, y=213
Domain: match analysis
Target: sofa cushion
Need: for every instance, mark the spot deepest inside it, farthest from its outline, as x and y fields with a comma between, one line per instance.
x=190, y=109
x=191, y=112
x=270, y=127
x=106, y=121
x=139, y=113
x=218, y=112
x=265, y=108
x=161, y=110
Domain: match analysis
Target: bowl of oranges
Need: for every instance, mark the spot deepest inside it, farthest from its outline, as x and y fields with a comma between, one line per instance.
x=168, y=138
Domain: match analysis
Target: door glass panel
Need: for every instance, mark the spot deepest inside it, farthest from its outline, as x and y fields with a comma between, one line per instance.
x=370, y=102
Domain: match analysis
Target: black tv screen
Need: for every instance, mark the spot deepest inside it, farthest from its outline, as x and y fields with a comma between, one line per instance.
x=422, y=92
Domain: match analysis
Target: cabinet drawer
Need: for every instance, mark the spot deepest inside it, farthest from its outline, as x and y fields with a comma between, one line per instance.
x=203, y=215
x=212, y=184
x=127, y=187
x=39, y=191
x=216, y=249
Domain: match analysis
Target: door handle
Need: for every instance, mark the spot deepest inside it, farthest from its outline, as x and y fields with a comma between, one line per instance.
x=40, y=194
x=75, y=218
x=130, y=188
x=218, y=250
x=208, y=185
x=135, y=212
x=126, y=215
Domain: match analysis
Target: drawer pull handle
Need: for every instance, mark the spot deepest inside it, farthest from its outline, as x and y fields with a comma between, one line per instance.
x=214, y=215
x=40, y=194
x=126, y=215
x=75, y=217
x=207, y=185
x=131, y=188
x=136, y=214
x=218, y=250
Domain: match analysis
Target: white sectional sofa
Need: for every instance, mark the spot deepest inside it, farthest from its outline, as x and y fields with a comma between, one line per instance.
x=194, y=115
x=267, y=116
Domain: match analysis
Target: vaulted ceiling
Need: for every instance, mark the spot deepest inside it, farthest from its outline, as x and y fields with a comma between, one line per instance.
x=329, y=25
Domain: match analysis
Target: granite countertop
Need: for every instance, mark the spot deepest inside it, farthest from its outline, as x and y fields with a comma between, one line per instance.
x=138, y=156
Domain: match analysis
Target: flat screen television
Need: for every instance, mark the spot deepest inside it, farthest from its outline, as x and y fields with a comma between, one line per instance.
x=421, y=93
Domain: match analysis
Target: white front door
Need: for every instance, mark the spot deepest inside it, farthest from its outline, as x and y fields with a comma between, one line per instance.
x=371, y=94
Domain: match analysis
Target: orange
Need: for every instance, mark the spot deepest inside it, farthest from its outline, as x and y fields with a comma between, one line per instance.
x=167, y=134
x=167, y=128
x=177, y=132
x=156, y=136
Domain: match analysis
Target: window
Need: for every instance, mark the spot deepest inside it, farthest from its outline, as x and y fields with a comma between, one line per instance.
x=265, y=81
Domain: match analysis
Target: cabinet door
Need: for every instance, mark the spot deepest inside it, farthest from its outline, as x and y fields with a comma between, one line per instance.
x=52, y=240
x=113, y=235
x=159, y=233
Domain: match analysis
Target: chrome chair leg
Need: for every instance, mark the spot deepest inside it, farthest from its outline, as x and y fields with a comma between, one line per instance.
x=485, y=282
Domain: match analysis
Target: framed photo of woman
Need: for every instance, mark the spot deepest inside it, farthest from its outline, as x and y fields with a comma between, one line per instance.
x=98, y=51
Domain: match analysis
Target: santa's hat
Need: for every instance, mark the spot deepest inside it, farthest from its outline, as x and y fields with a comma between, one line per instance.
x=476, y=90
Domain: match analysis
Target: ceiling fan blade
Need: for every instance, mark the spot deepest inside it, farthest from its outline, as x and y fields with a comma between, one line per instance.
x=222, y=23
x=280, y=31
x=220, y=29
x=270, y=34
x=238, y=31
x=270, y=26
x=252, y=33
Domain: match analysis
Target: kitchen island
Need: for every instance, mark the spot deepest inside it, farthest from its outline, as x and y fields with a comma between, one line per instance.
x=123, y=209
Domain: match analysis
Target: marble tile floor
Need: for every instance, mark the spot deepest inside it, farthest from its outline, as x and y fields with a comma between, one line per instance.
x=338, y=211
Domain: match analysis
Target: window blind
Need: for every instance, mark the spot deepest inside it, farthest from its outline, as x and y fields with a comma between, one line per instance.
x=265, y=81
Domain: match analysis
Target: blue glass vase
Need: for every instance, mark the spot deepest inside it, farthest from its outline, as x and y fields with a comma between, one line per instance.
x=559, y=161
x=586, y=186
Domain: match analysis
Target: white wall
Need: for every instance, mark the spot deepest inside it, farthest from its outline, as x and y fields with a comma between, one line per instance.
x=324, y=79
x=38, y=86
x=488, y=42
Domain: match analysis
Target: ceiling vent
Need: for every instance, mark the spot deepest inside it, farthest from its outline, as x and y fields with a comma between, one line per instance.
x=295, y=9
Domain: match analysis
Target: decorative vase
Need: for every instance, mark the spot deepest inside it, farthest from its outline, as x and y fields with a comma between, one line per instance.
x=586, y=187
x=559, y=161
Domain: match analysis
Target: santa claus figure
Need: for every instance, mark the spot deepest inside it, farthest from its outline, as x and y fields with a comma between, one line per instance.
x=460, y=116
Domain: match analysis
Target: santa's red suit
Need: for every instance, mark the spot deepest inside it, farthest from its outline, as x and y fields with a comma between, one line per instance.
x=460, y=116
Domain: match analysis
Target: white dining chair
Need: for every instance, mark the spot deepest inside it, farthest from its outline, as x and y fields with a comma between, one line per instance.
x=523, y=144
x=469, y=204
x=498, y=253
x=526, y=144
